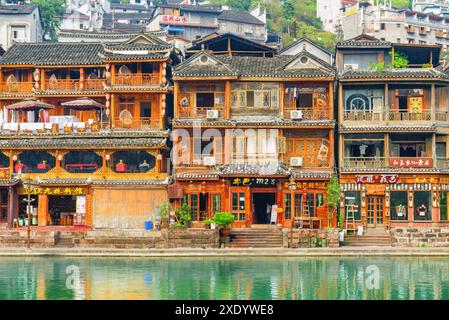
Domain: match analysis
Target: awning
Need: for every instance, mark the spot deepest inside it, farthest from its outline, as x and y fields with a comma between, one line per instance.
x=29, y=105
x=83, y=104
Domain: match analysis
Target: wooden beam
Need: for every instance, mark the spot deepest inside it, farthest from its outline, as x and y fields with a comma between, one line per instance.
x=227, y=114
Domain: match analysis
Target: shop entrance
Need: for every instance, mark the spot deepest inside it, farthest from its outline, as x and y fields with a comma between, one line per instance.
x=61, y=210
x=375, y=211
x=262, y=203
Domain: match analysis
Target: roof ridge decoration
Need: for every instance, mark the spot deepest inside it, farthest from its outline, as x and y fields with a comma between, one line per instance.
x=305, y=38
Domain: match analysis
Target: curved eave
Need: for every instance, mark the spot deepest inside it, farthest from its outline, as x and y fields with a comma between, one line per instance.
x=391, y=79
x=204, y=78
x=136, y=60
x=283, y=78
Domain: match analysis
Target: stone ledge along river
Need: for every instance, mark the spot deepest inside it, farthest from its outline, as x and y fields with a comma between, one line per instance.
x=420, y=278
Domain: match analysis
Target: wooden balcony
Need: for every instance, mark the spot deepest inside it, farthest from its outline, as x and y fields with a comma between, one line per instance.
x=201, y=112
x=442, y=116
x=364, y=116
x=137, y=79
x=135, y=123
x=308, y=161
x=425, y=115
x=308, y=114
x=16, y=87
x=364, y=162
x=69, y=85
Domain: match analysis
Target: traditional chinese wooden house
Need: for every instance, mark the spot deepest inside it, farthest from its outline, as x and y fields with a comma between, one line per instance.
x=253, y=133
x=83, y=130
x=393, y=134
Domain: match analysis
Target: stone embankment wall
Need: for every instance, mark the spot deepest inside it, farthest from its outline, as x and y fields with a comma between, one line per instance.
x=420, y=237
x=310, y=238
x=113, y=238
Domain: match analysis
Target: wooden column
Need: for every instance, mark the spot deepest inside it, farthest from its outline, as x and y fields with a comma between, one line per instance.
x=341, y=105
x=387, y=149
x=1, y=78
x=434, y=149
x=11, y=162
x=104, y=164
x=42, y=210
x=89, y=210
x=341, y=149
x=331, y=100
x=113, y=107
x=281, y=99
x=432, y=103
x=331, y=150
x=43, y=79
x=158, y=162
x=112, y=74
x=227, y=111
x=386, y=111
x=176, y=99
x=58, y=162
x=82, y=79
x=10, y=205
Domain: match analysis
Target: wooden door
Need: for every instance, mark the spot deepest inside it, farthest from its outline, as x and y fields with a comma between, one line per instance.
x=239, y=202
x=375, y=211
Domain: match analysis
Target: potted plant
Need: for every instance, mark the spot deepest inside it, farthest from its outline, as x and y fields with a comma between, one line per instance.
x=223, y=220
x=183, y=216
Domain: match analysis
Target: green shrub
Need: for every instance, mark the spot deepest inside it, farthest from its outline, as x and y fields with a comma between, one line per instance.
x=223, y=219
x=183, y=216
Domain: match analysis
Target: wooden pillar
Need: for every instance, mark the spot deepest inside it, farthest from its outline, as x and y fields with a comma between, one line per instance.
x=82, y=79
x=43, y=79
x=58, y=162
x=89, y=210
x=331, y=100
x=42, y=210
x=139, y=67
x=176, y=99
x=331, y=150
x=432, y=103
x=281, y=99
x=104, y=164
x=386, y=110
x=341, y=149
x=434, y=149
x=10, y=207
x=158, y=162
x=392, y=55
x=387, y=149
x=113, y=107
x=227, y=112
x=341, y=106
x=11, y=162
x=162, y=110
x=112, y=74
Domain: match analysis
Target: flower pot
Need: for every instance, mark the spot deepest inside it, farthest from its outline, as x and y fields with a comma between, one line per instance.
x=225, y=232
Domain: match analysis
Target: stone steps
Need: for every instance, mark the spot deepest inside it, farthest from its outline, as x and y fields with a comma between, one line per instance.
x=368, y=240
x=256, y=238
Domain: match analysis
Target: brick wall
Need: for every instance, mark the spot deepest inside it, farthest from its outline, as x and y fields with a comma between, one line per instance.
x=420, y=237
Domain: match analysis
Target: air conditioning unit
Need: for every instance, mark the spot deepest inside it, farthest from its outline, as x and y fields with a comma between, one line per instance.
x=351, y=66
x=212, y=114
x=296, y=162
x=296, y=114
x=209, y=161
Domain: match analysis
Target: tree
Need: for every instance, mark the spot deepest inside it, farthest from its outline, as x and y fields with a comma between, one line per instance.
x=51, y=12
x=332, y=198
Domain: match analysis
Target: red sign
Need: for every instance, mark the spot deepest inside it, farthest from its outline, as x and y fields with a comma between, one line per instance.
x=411, y=162
x=174, y=19
x=377, y=178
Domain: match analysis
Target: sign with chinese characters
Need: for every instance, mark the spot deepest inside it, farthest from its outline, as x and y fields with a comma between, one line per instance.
x=79, y=219
x=53, y=191
x=377, y=178
x=4, y=174
x=81, y=204
x=416, y=104
x=173, y=19
x=411, y=162
x=253, y=182
x=307, y=185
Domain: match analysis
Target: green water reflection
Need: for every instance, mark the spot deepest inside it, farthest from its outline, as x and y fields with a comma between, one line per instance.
x=208, y=278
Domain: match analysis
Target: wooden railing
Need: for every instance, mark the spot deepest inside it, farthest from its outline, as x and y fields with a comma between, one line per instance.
x=442, y=116
x=425, y=115
x=364, y=116
x=93, y=84
x=308, y=114
x=310, y=161
x=192, y=112
x=135, y=123
x=16, y=87
x=137, y=79
x=62, y=85
x=442, y=163
x=364, y=162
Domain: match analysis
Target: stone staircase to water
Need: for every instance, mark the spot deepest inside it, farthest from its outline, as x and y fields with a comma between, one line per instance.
x=372, y=237
x=257, y=237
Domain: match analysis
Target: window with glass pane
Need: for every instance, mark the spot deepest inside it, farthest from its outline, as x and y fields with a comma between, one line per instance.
x=443, y=206
x=287, y=206
x=398, y=205
x=319, y=200
x=422, y=209
x=216, y=203
x=298, y=204
x=310, y=201
x=238, y=204
x=353, y=198
x=242, y=200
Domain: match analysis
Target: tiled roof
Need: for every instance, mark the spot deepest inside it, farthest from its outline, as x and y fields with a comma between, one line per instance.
x=311, y=174
x=149, y=56
x=18, y=9
x=161, y=46
x=53, y=53
x=69, y=142
x=405, y=73
x=239, y=16
x=364, y=41
x=44, y=182
x=106, y=35
x=106, y=134
x=242, y=66
x=127, y=6
x=213, y=176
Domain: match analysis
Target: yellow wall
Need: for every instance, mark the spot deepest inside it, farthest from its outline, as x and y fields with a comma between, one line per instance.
x=125, y=208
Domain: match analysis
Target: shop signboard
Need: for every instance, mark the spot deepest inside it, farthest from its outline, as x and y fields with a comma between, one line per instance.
x=253, y=182
x=377, y=178
x=411, y=162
